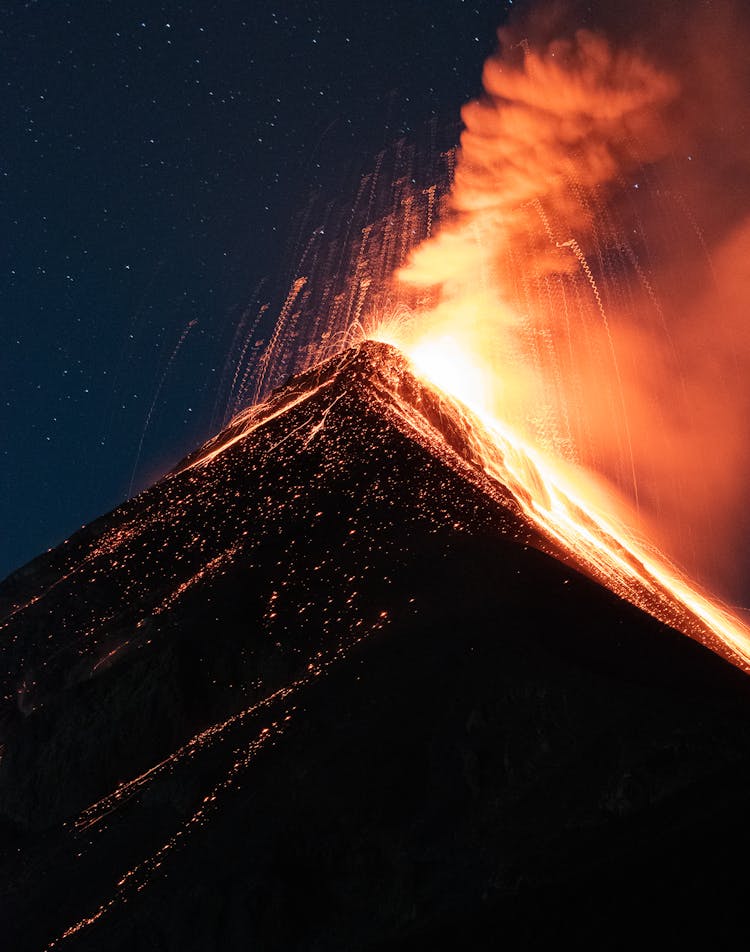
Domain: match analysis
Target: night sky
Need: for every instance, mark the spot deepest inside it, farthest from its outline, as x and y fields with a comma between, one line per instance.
x=152, y=158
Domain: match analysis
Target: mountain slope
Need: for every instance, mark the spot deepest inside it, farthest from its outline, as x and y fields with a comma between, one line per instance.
x=325, y=687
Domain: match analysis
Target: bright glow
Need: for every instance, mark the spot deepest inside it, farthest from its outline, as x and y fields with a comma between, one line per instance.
x=571, y=509
x=443, y=362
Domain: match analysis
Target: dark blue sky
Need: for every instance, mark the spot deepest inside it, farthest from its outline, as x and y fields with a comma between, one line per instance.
x=152, y=158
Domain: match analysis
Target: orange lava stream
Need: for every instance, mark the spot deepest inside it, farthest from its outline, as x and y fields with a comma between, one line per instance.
x=572, y=509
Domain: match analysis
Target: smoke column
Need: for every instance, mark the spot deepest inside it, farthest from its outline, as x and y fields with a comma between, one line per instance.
x=588, y=281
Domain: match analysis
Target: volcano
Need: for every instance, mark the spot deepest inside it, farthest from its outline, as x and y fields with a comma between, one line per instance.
x=325, y=686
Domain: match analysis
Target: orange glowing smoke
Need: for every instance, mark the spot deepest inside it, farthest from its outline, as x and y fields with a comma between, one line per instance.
x=588, y=283
x=599, y=304
x=558, y=130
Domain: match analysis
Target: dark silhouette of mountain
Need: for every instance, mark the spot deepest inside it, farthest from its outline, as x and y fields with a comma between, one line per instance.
x=323, y=687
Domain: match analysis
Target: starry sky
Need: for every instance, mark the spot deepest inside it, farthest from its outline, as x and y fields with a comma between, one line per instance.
x=152, y=158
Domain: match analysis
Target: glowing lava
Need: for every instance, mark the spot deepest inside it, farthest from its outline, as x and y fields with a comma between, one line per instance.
x=443, y=363
x=572, y=509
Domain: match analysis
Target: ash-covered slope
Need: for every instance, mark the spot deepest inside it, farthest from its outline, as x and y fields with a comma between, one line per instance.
x=322, y=687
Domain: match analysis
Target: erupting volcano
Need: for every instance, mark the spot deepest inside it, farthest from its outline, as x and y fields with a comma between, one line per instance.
x=320, y=675
x=397, y=658
x=538, y=275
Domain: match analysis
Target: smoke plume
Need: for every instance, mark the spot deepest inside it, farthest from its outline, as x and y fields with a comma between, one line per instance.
x=592, y=261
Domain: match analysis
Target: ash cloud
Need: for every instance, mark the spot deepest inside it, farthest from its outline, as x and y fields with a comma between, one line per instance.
x=595, y=248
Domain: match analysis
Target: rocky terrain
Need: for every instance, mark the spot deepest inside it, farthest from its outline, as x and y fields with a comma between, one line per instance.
x=323, y=687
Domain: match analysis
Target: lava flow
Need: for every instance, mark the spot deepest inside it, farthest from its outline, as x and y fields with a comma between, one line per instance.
x=563, y=505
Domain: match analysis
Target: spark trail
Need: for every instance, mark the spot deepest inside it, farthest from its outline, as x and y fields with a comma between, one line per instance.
x=151, y=409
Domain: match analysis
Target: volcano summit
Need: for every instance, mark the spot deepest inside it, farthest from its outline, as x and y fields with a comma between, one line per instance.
x=327, y=685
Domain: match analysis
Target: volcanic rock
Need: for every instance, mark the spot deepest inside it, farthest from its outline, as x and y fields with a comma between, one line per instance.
x=324, y=687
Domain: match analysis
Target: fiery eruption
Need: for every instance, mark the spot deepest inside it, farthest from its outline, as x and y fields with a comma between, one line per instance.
x=569, y=382
x=571, y=299
x=575, y=275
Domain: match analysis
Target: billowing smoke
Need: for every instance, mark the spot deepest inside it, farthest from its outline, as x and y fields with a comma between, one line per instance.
x=592, y=262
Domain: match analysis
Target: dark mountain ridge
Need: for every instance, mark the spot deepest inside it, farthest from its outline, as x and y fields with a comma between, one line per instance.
x=324, y=687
